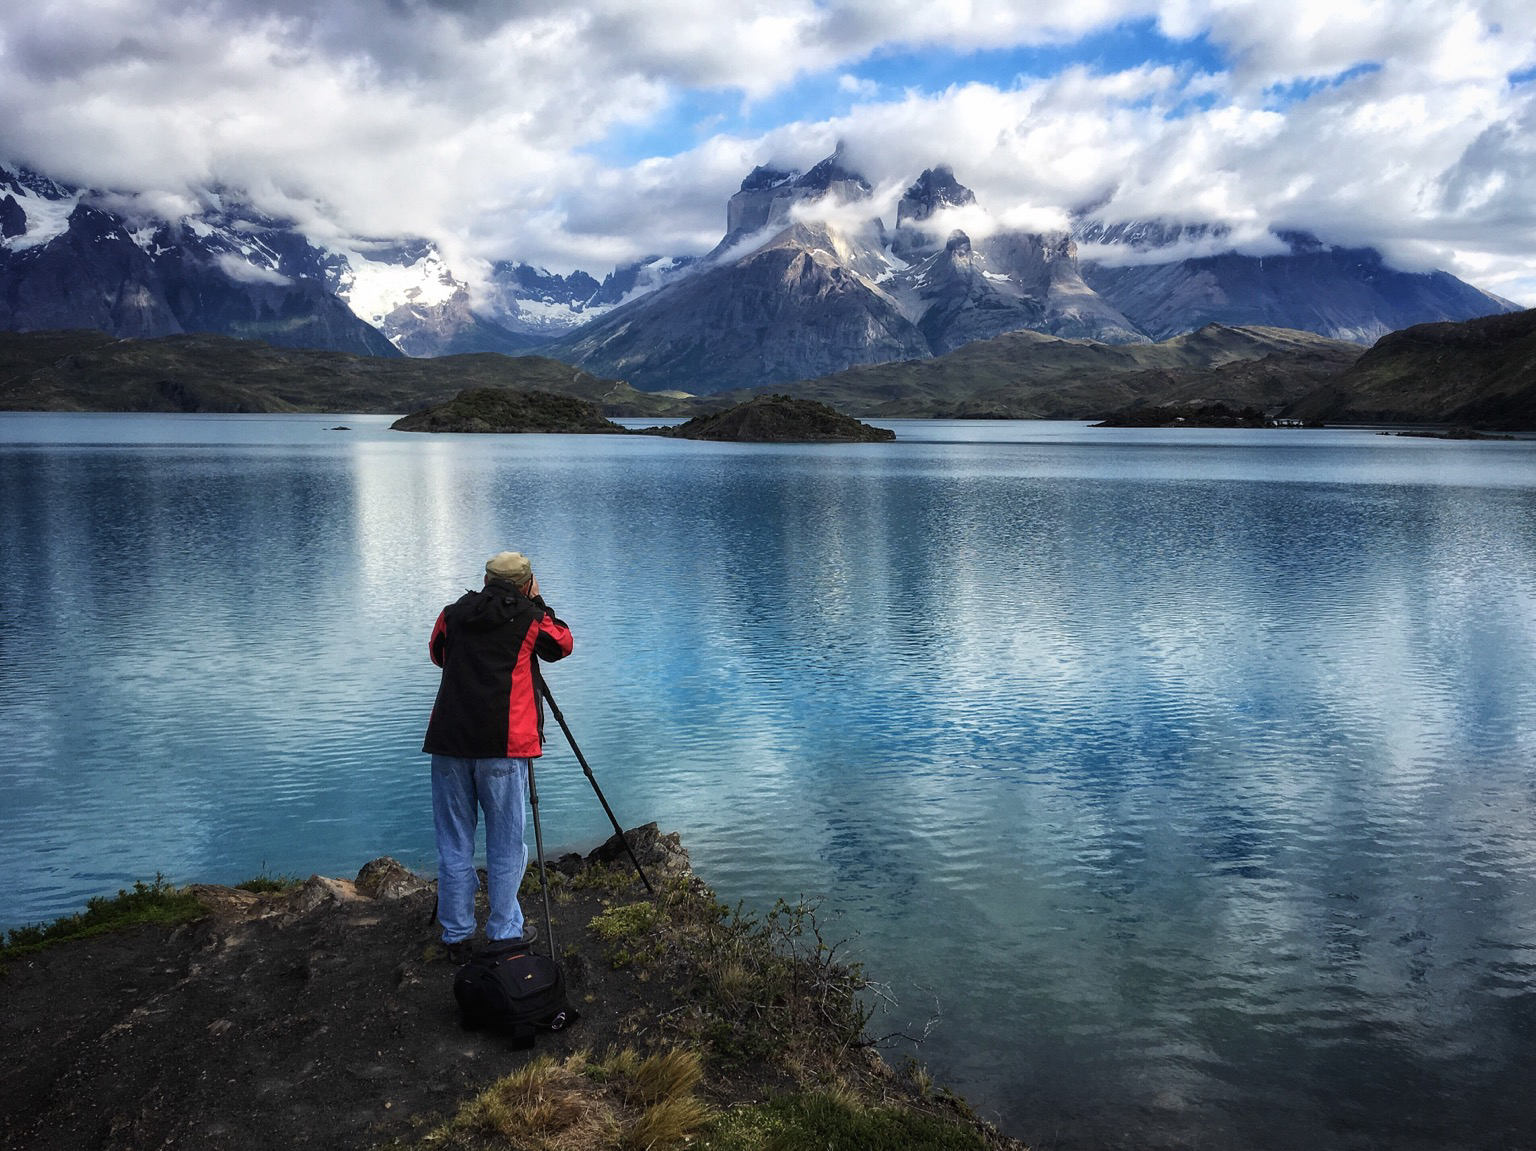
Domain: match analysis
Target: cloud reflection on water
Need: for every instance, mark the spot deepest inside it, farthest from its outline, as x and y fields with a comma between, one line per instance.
x=1214, y=783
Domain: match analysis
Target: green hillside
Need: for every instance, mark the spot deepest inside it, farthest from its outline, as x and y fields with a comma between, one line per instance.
x=1026, y=375
x=91, y=371
x=1479, y=373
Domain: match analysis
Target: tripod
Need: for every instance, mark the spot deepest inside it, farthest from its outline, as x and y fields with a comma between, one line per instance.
x=533, y=799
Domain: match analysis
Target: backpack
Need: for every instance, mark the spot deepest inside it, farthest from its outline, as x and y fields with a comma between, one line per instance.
x=512, y=990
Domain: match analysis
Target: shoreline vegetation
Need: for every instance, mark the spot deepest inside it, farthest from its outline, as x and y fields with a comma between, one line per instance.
x=282, y=1012
x=1479, y=374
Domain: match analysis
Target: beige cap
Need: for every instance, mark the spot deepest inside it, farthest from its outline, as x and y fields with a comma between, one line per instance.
x=510, y=566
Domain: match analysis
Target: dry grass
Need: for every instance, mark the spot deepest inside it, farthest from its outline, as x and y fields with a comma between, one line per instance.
x=621, y=1103
x=667, y=1075
x=666, y=1123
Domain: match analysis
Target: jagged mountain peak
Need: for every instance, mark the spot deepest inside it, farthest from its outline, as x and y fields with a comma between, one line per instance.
x=23, y=181
x=933, y=191
x=765, y=177
x=833, y=174
x=769, y=193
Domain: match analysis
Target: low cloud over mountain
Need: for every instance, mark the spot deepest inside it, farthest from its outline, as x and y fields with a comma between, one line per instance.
x=807, y=279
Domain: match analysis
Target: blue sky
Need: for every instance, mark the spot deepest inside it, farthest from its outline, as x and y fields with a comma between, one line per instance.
x=694, y=115
x=588, y=134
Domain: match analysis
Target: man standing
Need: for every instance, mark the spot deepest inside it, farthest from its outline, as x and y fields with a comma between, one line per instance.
x=485, y=727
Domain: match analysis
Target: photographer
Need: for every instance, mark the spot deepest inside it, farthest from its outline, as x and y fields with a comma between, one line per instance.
x=486, y=725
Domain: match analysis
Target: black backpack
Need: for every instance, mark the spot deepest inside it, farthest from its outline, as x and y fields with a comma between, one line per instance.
x=512, y=990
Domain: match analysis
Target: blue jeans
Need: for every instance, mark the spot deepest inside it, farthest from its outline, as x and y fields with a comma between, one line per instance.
x=498, y=787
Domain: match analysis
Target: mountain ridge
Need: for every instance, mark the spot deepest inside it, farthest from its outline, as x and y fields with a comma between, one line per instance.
x=807, y=280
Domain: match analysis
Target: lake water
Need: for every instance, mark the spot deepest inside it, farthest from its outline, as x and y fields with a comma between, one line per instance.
x=1188, y=778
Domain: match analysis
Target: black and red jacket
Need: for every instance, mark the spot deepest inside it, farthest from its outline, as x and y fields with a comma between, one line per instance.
x=488, y=704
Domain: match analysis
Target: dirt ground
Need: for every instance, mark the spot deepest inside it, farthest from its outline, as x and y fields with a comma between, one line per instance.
x=317, y=1018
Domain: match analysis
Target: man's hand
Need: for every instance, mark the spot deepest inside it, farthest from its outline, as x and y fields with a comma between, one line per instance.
x=532, y=590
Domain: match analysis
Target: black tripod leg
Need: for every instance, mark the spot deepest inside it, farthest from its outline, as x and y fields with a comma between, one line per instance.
x=538, y=839
x=592, y=779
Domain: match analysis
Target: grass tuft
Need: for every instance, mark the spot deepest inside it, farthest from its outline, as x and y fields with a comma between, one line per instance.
x=618, y=1103
x=666, y=1075
x=544, y=1106
x=666, y=1123
x=265, y=883
x=148, y=903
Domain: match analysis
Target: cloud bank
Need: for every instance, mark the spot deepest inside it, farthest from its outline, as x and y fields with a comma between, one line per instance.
x=488, y=126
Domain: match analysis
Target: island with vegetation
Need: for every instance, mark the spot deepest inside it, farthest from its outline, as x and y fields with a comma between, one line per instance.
x=281, y=1013
x=777, y=419
x=1217, y=415
x=509, y=411
x=773, y=419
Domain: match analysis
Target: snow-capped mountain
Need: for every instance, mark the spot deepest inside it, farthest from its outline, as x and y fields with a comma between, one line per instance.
x=806, y=280
x=73, y=258
x=957, y=290
x=544, y=305
x=804, y=283
x=1173, y=278
x=65, y=261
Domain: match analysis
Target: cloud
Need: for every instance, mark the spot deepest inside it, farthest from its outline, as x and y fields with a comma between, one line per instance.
x=246, y=272
x=478, y=122
x=854, y=86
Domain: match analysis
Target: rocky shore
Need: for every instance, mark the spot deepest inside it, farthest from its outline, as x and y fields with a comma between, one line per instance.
x=321, y=1015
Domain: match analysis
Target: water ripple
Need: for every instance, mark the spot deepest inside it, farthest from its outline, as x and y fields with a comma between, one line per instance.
x=1206, y=759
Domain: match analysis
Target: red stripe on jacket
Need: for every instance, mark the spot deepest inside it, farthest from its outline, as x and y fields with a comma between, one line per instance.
x=470, y=680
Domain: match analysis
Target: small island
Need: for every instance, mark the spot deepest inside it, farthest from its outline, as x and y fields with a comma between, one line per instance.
x=777, y=419
x=1217, y=415
x=773, y=419
x=504, y=410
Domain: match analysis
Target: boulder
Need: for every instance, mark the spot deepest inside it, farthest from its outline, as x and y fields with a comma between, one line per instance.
x=659, y=854
x=318, y=891
x=386, y=878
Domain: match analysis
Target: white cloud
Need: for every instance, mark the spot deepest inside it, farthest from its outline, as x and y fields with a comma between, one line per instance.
x=236, y=268
x=474, y=122
x=855, y=86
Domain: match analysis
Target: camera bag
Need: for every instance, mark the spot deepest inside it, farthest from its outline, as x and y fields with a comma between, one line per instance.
x=511, y=990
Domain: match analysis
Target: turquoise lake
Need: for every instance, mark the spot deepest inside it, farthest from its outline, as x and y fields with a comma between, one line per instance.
x=1182, y=783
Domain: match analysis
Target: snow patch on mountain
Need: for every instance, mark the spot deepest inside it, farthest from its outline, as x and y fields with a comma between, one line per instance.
x=47, y=207
x=373, y=283
x=557, y=315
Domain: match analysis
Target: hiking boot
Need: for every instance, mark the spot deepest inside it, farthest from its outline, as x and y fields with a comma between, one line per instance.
x=459, y=952
x=526, y=939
